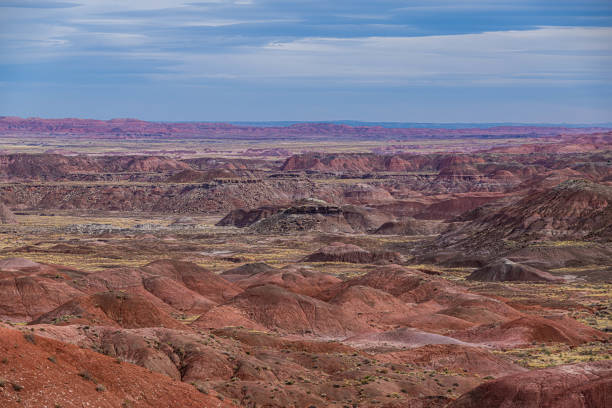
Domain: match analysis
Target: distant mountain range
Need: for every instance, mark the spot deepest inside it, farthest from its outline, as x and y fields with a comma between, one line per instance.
x=425, y=125
x=134, y=128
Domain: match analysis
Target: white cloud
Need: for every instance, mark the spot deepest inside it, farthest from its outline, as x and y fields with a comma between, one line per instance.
x=555, y=54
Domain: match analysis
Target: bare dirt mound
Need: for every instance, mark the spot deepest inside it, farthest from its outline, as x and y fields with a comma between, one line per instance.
x=436, y=304
x=377, y=307
x=341, y=252
x=528, y=329
x=176, y=295
x=222, y=316
x=454, y=357
x=393, y=279
x=71, y=376
x=505, y=270
x=194, y=277
x=399, y=338
x=279, y=309
x=23, y=298
x=303, y=281
x=246, y=270
x=586, y=385
x=110, y=308
x=16, y=264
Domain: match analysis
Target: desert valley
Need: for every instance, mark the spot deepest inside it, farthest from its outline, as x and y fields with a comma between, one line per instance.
x=304, y=265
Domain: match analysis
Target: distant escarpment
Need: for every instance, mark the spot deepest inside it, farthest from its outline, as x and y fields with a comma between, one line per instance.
x=133, y=128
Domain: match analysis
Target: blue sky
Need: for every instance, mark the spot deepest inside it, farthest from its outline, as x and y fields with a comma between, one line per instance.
x=375, y=60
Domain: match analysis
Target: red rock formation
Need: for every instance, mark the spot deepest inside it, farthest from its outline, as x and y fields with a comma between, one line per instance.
x=456, y=358
x=528, y=329
x=298, y=280
x=39, y=372
x=195, y=278
x=585, y=385
x=277, y=308
x=110, y=309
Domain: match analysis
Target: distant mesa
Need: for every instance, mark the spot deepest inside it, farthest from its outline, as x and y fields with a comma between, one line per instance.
x=134, y=128
x=306, y=215
x=194, y=176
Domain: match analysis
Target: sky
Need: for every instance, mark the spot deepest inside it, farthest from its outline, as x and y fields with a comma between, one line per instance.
x=540, y=61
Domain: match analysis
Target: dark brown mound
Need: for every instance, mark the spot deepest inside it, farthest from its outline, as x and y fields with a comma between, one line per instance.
x=110, y=308
x=246, y=270
x=306, y=215
x=586, y=385
x=39, y=372
x=6, y=215
x=196, y=278
x=243, y=218
x=341, y=252
x=277, y=308
x=505, y=270
x=409, y=226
